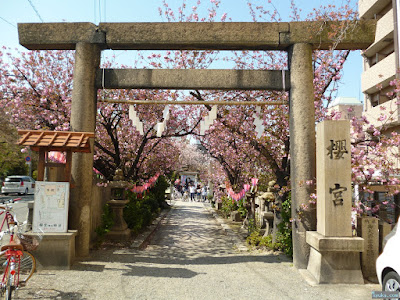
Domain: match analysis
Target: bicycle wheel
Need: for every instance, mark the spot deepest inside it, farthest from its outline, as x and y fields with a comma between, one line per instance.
x=9, y=286
x=27, y=266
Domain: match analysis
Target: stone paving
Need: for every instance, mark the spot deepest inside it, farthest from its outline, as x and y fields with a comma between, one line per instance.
x=189, y=257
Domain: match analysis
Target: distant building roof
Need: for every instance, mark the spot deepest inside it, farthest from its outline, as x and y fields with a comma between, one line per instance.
x=345, y=101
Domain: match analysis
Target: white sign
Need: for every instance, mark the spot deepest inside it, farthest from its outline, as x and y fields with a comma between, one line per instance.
x=50, y=213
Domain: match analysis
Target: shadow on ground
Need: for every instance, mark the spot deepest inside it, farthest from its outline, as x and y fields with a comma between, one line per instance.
x=189, y=236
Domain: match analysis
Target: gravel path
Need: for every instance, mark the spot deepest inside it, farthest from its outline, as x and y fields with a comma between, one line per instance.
x=189, y=257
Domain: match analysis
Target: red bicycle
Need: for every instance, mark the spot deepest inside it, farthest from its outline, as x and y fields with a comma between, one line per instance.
x=17, y=264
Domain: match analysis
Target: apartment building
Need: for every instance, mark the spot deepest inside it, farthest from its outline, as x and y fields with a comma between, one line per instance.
x=381, y=62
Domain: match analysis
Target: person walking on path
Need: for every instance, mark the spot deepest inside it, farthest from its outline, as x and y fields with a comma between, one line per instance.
x=204, y=193
x=192, y=190
x=198, y=193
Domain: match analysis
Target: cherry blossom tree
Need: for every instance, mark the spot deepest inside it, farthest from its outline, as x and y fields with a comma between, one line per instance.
x=231, y=140
x=36, y=93
x=36, y=89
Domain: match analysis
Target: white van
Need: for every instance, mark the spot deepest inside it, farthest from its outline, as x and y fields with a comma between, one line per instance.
x=23, y=185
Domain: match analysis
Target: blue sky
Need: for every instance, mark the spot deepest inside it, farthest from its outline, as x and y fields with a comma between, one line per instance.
x=32, y=11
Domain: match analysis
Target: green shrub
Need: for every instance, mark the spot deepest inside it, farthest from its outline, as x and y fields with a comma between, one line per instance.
x=228, y=206
x=254, y=239
x=283, y=237
x=151, y=202
x=132, y=213
x=138, y=213
x=159, y=188
x=266, y=242
x=107, y=221
x=242, y=210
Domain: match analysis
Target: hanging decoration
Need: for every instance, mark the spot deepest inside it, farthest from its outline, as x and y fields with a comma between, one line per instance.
x=237, y=196
x=258, y=122
x=254, y=182
x=142, y=188
x=205, y=124
x=208, y=120
x=161, y=126
x=246, y=187
x=135, y=119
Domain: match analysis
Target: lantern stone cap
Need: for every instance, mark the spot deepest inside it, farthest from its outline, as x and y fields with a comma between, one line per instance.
x=118, y=202
x=56, y=140
x=119, y=184
x=119, y=175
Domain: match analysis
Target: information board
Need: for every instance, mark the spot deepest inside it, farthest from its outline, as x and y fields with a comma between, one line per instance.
x=50, y=212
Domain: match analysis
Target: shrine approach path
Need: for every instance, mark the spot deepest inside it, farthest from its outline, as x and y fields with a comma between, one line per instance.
x=189, y=257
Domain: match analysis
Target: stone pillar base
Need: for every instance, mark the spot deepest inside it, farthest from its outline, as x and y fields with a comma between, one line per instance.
x=335, y=259
x=56, y=251
x=119, y=235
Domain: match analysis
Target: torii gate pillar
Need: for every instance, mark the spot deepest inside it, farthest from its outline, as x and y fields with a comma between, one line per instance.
x=302, y=147
x=83, y=118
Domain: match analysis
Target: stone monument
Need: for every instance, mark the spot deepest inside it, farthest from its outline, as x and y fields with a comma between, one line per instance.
x=368, y=229
x=334, y=253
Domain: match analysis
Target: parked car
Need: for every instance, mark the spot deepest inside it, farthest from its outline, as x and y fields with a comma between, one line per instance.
x=22, y=185
x=388, y=263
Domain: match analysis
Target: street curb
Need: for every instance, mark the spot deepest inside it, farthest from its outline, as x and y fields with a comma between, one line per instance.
x=144, y=238
x=237, y=241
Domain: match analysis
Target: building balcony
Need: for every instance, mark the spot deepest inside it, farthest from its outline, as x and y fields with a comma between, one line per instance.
x=390, y=108
x=383, y=36
x=367, y=9
x=379, y=74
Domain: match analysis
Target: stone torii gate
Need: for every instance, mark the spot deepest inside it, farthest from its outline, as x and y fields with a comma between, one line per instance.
x=299, y=39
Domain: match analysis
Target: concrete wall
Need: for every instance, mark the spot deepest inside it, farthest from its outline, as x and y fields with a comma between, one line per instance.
x=384, y=34
x=373, y=113
x=100, y=196
x=368, y=8
x=380, y=73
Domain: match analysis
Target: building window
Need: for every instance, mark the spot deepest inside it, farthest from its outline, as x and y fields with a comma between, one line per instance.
x=382, y=54
x=384, y=95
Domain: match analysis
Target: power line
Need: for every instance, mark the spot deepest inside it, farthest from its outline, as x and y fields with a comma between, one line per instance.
x=105, y=10
x=99, y=11
x=34, y=8
x=94, y=11
x=9, y=23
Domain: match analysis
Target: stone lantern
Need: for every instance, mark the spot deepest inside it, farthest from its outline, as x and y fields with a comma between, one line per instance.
x=266, y=211
x=120, y=230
